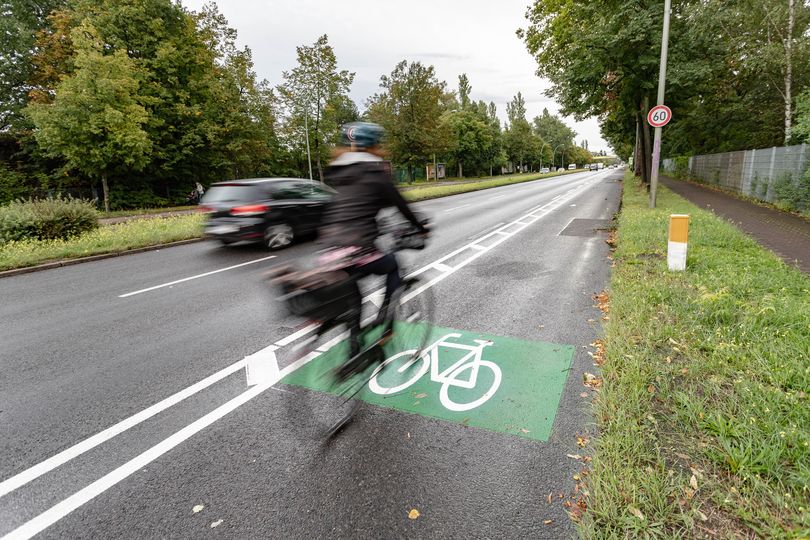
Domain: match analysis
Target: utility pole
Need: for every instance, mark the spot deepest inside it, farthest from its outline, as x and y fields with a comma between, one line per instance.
x=662, y=75
x=306, y=129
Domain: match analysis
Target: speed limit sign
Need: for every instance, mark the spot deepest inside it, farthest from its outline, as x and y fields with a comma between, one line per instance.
x=659, y=116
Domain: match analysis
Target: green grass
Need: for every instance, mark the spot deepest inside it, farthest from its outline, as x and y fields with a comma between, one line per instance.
x=425, y=192
x=144, y=211
x=111, y=239
x=704, y=414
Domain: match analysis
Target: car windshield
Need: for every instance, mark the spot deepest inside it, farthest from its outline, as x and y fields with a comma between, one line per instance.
x=232, y=193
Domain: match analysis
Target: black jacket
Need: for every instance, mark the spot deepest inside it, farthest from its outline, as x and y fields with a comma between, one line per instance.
x=364, y=187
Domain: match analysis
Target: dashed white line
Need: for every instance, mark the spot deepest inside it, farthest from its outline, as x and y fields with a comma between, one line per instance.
x=194, y=277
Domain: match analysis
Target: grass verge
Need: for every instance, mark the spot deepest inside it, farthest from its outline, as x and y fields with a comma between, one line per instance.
x=110, y=239
x=425, y=192
x=143, y=211
x=703, y=414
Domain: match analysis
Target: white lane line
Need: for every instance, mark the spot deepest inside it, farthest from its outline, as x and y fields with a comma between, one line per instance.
x=78, y=449
x=63, y=508
x=442, y=267
x=194, y=277
x=456, y=208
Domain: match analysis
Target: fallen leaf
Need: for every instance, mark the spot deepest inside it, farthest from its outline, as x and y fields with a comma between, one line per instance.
x=548, y=521
x=413, y=514
x=549, y=498
x=636, y=512
x=591, y=380
x=217, y=523
x=416, y=403
x=524, y=430
x=584, y=394
x=702, y=516
x=651, y=389
x=693, y=482
x=574, y=456
x=567, y=504
x=420, y=396
x=577, y=478
x=582, y=441
x=408, y=434
x=197, y=508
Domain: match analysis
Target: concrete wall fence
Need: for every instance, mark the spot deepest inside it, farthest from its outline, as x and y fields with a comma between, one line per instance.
x=755, y=173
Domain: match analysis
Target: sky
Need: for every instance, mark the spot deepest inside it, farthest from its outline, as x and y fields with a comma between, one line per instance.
x=370, y=37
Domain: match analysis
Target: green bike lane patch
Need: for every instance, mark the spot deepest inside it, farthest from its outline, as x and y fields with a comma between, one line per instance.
x=497, y=383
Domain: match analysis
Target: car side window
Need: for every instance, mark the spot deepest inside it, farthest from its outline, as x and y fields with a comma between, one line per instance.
x=285, y=190
x=314, y=193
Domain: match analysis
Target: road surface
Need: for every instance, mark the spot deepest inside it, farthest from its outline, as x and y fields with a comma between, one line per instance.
x=124, y=409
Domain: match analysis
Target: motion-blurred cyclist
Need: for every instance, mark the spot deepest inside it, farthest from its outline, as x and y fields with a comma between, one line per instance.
x=365, y=186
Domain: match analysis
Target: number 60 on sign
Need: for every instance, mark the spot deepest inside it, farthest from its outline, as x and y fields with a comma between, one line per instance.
x=659, y=116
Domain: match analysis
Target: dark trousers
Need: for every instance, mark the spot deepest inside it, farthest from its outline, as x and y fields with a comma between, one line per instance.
x=384, y=266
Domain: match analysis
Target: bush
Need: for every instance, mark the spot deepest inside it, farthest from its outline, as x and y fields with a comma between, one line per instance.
x=46, y=219
x=792, y=195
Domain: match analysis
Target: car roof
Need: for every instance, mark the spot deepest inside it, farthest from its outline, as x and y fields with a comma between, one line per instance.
x=258, y=181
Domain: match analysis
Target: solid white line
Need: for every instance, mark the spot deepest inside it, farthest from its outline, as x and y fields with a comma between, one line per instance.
x=78, y=449
x=194, y=277
x=456, y=208
x=63, y=508
x=442, y=267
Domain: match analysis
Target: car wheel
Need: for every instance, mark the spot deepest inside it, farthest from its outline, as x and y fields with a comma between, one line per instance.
x=224, y=242
x=278, y=236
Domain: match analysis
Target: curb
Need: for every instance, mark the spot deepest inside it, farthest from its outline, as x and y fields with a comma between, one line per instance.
x=71, y=262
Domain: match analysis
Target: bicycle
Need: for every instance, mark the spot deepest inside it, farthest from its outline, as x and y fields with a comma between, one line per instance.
x=325, y=296
x=449, y=377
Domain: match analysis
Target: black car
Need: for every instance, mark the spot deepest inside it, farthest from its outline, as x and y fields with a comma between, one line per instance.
x=272, y=211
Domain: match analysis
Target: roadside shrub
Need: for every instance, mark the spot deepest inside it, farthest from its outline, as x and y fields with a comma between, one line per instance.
x=46, y=219
x=792, y=195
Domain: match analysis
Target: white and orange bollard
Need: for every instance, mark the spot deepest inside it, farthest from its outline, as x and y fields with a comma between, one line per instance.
x=678, y=239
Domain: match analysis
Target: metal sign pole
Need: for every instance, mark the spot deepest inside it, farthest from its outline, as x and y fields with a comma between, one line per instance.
x=306, y=129
x=662, y=75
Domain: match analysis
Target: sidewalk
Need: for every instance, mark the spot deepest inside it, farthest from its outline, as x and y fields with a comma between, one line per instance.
x=785, y=234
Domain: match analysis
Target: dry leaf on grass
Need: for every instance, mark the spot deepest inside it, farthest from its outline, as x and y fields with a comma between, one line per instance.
x=636, y=512
x=693, y=482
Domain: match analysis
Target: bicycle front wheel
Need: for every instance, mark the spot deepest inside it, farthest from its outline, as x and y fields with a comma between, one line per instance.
x=412, y=328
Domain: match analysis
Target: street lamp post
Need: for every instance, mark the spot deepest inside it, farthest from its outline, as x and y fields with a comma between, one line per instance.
x=554, y=153
x=306, y=130
x=662, y=75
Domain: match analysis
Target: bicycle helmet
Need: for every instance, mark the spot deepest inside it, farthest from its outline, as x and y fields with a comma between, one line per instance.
x=361, y=134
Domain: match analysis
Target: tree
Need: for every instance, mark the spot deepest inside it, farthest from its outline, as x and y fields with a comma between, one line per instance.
x=518, y=135
x=553, y=131
x=409, y=107
x=802, y=128
x=19, y=24
x=309, y=92
x=95, y=122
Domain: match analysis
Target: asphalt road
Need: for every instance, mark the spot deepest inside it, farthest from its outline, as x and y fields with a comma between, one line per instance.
x=96, y=441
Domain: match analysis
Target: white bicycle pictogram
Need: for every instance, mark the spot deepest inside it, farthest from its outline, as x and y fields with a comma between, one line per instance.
x=449, y=377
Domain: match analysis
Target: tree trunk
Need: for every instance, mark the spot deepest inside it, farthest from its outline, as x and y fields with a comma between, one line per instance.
x=490, y=169
x=460, y=172
x=106, y=190
x=636, y=153
x=789, y=71
x=410, y=173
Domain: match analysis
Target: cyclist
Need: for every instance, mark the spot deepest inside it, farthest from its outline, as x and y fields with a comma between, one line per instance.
x=365, y=186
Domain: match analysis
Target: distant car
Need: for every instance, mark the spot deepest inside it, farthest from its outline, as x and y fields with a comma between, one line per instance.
x=272, y=211
x=560, y=169
x=544, y=170
x=572, y=167
x=594, y=167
